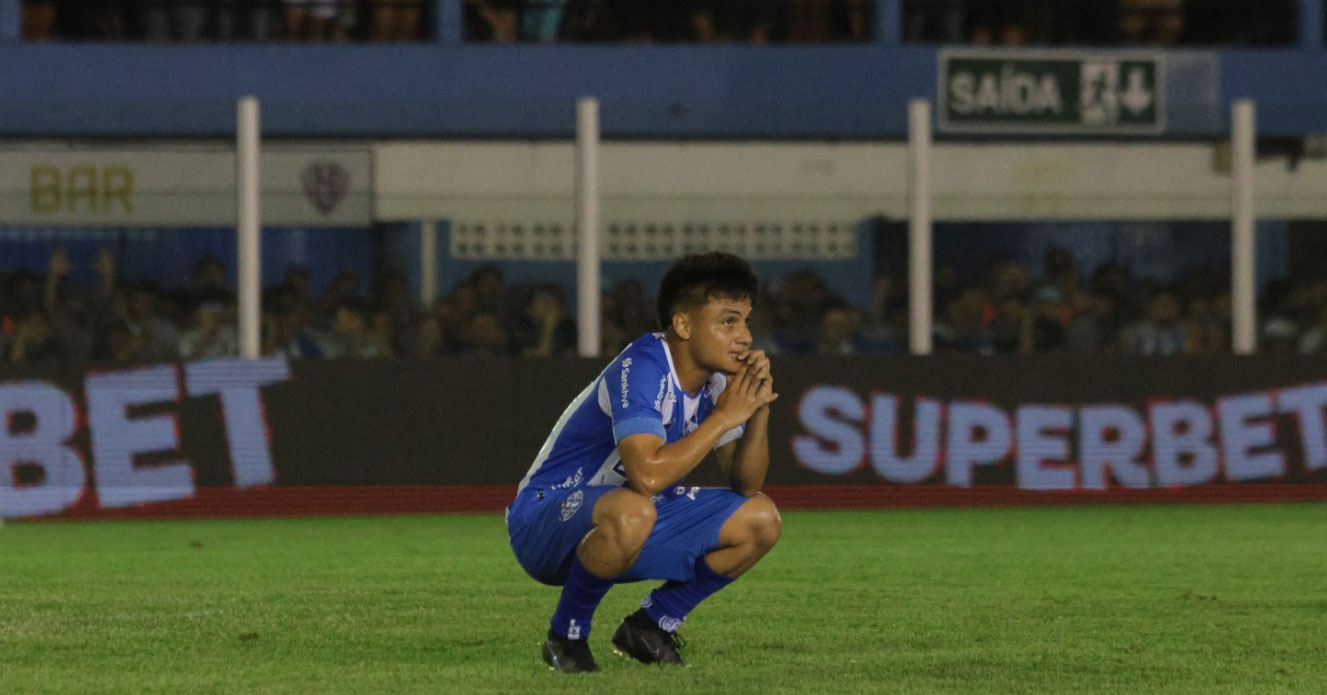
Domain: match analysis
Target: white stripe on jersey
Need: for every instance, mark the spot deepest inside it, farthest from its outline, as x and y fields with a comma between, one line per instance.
x=608, y=474
x=547, y=448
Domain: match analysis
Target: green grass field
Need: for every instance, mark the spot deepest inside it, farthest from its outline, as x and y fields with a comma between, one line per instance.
x=1214, y=599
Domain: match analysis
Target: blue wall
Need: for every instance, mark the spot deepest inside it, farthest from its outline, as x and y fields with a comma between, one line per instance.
x=450, y=88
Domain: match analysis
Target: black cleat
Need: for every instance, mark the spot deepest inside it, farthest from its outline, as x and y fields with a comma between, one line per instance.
x=568, y=655
x=639, y=638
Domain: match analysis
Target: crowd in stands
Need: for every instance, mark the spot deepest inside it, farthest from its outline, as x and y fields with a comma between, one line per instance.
x=980, y=22
x=680, y=21
x=46, y=321
x=534, y=21
x=225, y=20
x=1101, y=22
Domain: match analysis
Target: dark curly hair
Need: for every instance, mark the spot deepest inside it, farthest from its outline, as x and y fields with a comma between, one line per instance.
x=695, y=279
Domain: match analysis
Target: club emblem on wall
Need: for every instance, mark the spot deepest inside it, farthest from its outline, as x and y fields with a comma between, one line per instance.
x=325, y=185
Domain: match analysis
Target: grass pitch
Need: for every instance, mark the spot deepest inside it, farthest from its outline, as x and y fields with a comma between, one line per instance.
x=1214, y=599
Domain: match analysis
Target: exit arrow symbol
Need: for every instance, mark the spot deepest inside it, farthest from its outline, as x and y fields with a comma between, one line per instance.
x=1137, y=97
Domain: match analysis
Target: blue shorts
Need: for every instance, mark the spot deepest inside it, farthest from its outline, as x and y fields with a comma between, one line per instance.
x=545, y=527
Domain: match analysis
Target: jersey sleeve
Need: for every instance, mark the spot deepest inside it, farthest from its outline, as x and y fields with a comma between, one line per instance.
x=635, y=388
x=717, y=384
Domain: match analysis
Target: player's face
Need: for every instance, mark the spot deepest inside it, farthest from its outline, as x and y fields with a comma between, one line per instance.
x=721, y=338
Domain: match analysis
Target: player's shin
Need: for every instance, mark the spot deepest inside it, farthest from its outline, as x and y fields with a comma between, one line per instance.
x=580, y=597
x=669, y=605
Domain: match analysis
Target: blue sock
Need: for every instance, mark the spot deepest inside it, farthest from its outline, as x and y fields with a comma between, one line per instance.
x=580, y=596
x=669, y=605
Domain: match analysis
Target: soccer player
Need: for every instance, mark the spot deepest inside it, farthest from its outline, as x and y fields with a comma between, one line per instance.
x=601, y=505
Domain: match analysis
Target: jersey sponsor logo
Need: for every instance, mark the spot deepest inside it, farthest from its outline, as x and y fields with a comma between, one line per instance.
x=626, y=369
x=572, y=504
x=689, y=492
x=663, y=391
x=571, y=481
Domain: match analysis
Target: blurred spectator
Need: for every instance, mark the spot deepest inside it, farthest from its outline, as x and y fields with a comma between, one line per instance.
x=1204, y=328
x=484, y=336
x=497, y=21
x=633, y=310
x=963, y=324
x=32, y=341
x=1011, y=328
x=885, y=329
x=838, y=330
x=1280, y=336
x=38, y=20
x=396, y=20
x=116, y=346
x=541, y=22
x=998, y=23
x=1160, y=331
x=207, y=278
x=212, y=331
x=66, y=316
x=799, y=302
x=354, y=337
x=820, y=21
x=725, y=21
x=345, y=285
x=542, y=329
x=438, y=333
x=286, y=331
x=384, y=334
x=1153, y=22
x=317, y=20
x=397, y=311
x=1314, y=338
x=1096, y=327
x=156, y=337
x=935, y=20
x=762, y=324
x=105, y=19
x=173, y=21
x=488, y=286
x=625, y=315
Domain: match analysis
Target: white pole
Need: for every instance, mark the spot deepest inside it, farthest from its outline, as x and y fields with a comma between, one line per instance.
x=919, y=227
x=247, y=225
x=428, y=263
x=1244, y=319
x=587, y=226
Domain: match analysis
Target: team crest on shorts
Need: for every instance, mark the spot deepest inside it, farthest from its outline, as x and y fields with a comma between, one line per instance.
x=572, y=504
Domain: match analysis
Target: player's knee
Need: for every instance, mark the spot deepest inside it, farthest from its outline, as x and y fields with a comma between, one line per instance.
x=633, y=519
x=765, y=523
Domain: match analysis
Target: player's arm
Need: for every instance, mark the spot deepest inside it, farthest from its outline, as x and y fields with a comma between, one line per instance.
x=652, y=465
x=745, y=461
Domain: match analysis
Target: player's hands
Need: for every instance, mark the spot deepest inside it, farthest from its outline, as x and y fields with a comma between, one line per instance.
x=747, y=391
x=758, y=362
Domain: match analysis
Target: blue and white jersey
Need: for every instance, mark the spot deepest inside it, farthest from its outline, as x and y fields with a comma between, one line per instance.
x=637, y=392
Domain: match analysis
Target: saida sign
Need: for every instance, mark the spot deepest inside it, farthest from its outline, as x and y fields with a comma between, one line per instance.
x=1051, y=92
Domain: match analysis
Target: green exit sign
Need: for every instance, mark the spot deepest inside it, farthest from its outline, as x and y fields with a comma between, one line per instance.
x=1066, y=92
